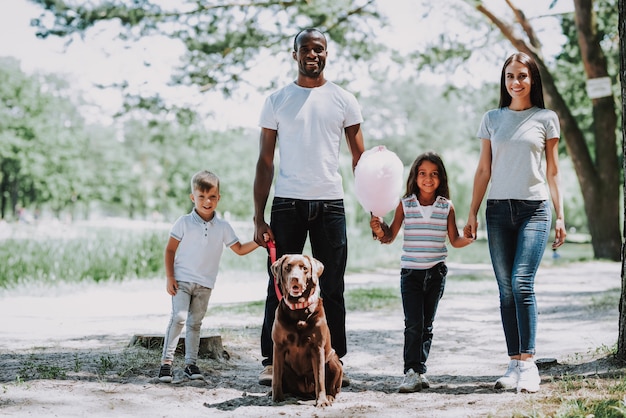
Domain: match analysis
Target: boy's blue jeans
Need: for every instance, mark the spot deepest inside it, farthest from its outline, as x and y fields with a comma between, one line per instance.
x=324, y=222
x=189, y=306
x=517, y=232
x=421, y=291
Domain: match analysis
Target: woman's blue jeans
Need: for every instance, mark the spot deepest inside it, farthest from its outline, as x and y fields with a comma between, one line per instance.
x=421, y=291
x=518, y=232
x=324, y=222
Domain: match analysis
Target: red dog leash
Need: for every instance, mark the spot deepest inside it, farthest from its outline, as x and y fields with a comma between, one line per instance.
x=271, y=246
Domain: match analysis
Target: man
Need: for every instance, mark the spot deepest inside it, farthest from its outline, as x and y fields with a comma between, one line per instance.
x=307, y=119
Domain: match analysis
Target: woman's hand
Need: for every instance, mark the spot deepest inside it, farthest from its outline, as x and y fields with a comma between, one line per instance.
x=559, y=233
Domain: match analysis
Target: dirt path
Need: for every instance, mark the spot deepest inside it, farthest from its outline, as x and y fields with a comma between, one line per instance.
x=63, y=326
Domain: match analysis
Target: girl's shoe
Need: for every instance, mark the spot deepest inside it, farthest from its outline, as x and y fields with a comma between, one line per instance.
x=511, y=376
x=412, y=382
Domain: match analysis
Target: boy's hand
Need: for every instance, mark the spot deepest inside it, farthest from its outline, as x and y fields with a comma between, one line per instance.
x=171, y=286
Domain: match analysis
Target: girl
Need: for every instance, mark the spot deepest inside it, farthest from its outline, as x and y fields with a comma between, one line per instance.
x=428, y=217
x=514, y=138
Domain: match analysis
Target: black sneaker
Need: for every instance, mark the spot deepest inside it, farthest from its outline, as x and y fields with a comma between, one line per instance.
x=193, y=372
x=165, y=373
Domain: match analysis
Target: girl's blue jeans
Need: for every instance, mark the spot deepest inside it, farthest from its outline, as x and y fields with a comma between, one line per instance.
x=517, y=232
x=421, y=291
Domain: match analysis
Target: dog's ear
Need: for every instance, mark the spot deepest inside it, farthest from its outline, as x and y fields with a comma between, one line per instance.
x=277, y=267
x=317, y=268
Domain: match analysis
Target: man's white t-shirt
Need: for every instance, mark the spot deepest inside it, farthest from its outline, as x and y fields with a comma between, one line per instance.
x=310, y=124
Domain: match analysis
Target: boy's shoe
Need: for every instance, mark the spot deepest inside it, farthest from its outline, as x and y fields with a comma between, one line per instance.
x=529, y=379
x=425, y=382
x=265, y=378
x=510, y=378
x=412, y=382
x=165, y=373
x=193, y=372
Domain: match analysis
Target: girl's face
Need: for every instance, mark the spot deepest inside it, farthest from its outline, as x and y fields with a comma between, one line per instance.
x=518, y=81
x=205, y=202
x=427, y=177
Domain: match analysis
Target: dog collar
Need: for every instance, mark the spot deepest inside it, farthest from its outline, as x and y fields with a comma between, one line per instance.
x=302, y=305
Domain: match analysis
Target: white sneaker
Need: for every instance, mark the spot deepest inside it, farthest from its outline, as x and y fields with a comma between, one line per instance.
x=529, y=379
x=510, y=378
x=412, y=382
x=425, y=382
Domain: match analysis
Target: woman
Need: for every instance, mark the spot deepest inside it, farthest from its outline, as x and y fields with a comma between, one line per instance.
x=514, y=138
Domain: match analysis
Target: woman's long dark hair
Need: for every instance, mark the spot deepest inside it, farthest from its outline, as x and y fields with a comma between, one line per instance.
x=536, y=88
x=411, y=183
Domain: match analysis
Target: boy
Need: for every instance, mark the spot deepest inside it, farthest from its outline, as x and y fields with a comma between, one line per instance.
x=192, y=259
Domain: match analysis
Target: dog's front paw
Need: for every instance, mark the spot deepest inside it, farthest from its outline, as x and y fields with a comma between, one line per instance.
x=324, y=401
x=277, y=396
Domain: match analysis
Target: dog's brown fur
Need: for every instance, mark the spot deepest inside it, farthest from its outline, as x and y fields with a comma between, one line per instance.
x=304, y=362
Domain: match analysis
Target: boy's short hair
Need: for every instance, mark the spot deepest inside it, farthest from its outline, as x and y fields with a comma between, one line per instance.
x=204, y=180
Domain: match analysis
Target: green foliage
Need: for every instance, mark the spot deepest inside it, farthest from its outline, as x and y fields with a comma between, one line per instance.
x=582, y=407
x=141, y=167
x=367, y=299
x=43, y=140
x=117, y=253
x=95, y=256
x=221, y=40
x=33, y=369
x=571, y=80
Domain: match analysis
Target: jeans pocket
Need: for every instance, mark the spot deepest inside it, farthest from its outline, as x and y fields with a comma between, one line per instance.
x=334, y=207
x=334, y=222
x=443, y=270
x=283, y=205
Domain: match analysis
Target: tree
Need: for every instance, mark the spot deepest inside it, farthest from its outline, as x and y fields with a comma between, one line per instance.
x=621, y=341
x=598, y=177
x=42, y=136
x=222, y=40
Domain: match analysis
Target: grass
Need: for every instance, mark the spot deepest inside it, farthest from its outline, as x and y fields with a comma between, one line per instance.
x=117, y=253
x=97, y=256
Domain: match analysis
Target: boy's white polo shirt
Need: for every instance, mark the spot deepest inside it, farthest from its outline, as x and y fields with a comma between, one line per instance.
x=200, y=247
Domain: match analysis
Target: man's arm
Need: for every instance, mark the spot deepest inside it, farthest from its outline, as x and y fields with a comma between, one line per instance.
x=262, y=183
x=354, y=136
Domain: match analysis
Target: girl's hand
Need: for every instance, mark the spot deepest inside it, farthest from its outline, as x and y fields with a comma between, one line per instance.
x=377, y=229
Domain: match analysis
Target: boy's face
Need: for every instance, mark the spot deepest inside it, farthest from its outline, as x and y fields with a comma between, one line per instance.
x=205, y=202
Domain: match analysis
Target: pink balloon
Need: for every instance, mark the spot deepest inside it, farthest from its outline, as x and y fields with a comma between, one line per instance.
x=378, y=180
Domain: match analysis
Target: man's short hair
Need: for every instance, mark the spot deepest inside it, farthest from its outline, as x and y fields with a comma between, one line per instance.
x=307, y=30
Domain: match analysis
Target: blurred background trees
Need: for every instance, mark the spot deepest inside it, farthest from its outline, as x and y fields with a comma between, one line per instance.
x=53, y=161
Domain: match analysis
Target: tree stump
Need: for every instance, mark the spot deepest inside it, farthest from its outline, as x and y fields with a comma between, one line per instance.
x=210, y=347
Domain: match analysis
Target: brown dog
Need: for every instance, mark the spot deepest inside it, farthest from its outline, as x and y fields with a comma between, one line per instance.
x=305, y=363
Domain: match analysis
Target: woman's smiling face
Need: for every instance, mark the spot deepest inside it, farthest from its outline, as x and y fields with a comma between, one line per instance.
x=518, y=80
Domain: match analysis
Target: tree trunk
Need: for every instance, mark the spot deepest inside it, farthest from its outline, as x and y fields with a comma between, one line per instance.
x=599, y=180
x=607, y=241
x=621, y=340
